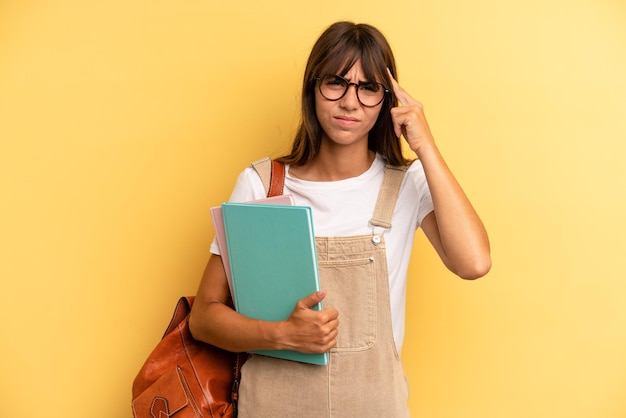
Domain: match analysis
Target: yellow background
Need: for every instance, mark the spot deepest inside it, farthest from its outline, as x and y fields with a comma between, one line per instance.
x=123, y=122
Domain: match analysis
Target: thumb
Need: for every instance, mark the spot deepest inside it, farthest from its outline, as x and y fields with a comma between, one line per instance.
x=313, y=299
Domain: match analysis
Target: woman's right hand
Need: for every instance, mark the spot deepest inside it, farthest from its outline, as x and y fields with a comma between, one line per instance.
x=310, y=331
x=213, y=320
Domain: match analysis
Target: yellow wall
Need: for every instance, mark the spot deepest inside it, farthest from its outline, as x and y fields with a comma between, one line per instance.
x=122, y=122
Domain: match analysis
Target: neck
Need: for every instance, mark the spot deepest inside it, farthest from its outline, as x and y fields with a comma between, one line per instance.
x=335, y=163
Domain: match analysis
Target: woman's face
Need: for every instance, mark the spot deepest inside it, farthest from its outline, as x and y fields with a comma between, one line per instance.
x=346, y=121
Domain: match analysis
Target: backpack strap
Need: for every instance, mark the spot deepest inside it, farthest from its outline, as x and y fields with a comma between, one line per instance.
x=388, y=195
x=272, y=175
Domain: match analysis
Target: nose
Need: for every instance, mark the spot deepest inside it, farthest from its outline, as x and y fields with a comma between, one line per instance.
x=351, y=98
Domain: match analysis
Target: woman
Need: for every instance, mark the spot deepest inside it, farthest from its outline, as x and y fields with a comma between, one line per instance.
x=341, y=166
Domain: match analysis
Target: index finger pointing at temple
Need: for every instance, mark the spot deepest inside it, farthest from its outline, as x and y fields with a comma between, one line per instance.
x=404, y=97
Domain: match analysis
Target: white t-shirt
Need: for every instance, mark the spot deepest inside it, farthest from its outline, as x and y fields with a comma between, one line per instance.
x=344, y=208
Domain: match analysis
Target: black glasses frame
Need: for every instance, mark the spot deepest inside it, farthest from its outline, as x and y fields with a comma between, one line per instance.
x=348, y=84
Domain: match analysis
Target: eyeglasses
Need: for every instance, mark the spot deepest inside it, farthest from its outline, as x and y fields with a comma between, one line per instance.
x=334, y=87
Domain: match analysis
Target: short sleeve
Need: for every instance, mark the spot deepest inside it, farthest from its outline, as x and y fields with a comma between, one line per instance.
x=418, y=177
x=248, y=187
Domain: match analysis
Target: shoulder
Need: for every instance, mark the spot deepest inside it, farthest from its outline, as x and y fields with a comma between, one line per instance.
x=248, y=187
x=415, y=185
x=415, y=172
x=416, y=166
x=414, y=175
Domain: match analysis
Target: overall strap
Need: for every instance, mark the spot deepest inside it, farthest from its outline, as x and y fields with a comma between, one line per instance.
x=388, y=195
x=272, y=175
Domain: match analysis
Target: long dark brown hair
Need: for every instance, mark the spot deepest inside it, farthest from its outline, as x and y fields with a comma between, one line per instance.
x=340, y=46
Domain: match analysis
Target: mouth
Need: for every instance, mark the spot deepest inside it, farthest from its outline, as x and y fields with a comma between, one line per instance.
x=347, y=120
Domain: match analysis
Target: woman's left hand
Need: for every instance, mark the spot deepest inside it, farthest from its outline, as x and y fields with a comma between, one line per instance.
x=409, y=119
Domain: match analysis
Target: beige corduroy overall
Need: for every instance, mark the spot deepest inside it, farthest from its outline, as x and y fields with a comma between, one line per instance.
x=364, y=377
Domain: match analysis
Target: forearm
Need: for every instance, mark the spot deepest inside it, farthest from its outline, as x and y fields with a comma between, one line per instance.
x=464, y=244
x=455, y=230
x=214, y=321
x=220, y=325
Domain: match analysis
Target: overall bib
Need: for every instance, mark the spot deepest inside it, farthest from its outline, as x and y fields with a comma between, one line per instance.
x=364, y=377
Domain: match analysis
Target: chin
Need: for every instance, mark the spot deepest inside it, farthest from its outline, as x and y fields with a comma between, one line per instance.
x=347, y=140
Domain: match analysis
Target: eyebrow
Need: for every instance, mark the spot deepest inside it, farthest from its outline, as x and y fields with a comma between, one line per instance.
x=358, y=82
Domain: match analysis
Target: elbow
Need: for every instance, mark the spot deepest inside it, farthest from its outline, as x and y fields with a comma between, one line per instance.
x=203, y=325
x=195, y=327
x=199, y=327
x=475, y=270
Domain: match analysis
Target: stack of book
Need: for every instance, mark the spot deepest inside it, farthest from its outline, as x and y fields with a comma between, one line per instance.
x=269, y=256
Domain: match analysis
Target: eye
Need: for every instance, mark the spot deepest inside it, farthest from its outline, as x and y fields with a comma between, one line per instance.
x=369, y=87
x=332, y=80
x=334, y=83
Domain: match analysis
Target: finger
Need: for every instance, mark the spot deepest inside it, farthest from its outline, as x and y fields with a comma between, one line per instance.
x=329, y=315
x=402, y=95
x=312, y=300
x=398, y=116
x=330, y=340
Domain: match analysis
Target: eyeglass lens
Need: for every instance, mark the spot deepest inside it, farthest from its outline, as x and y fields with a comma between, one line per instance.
x=334, y=87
